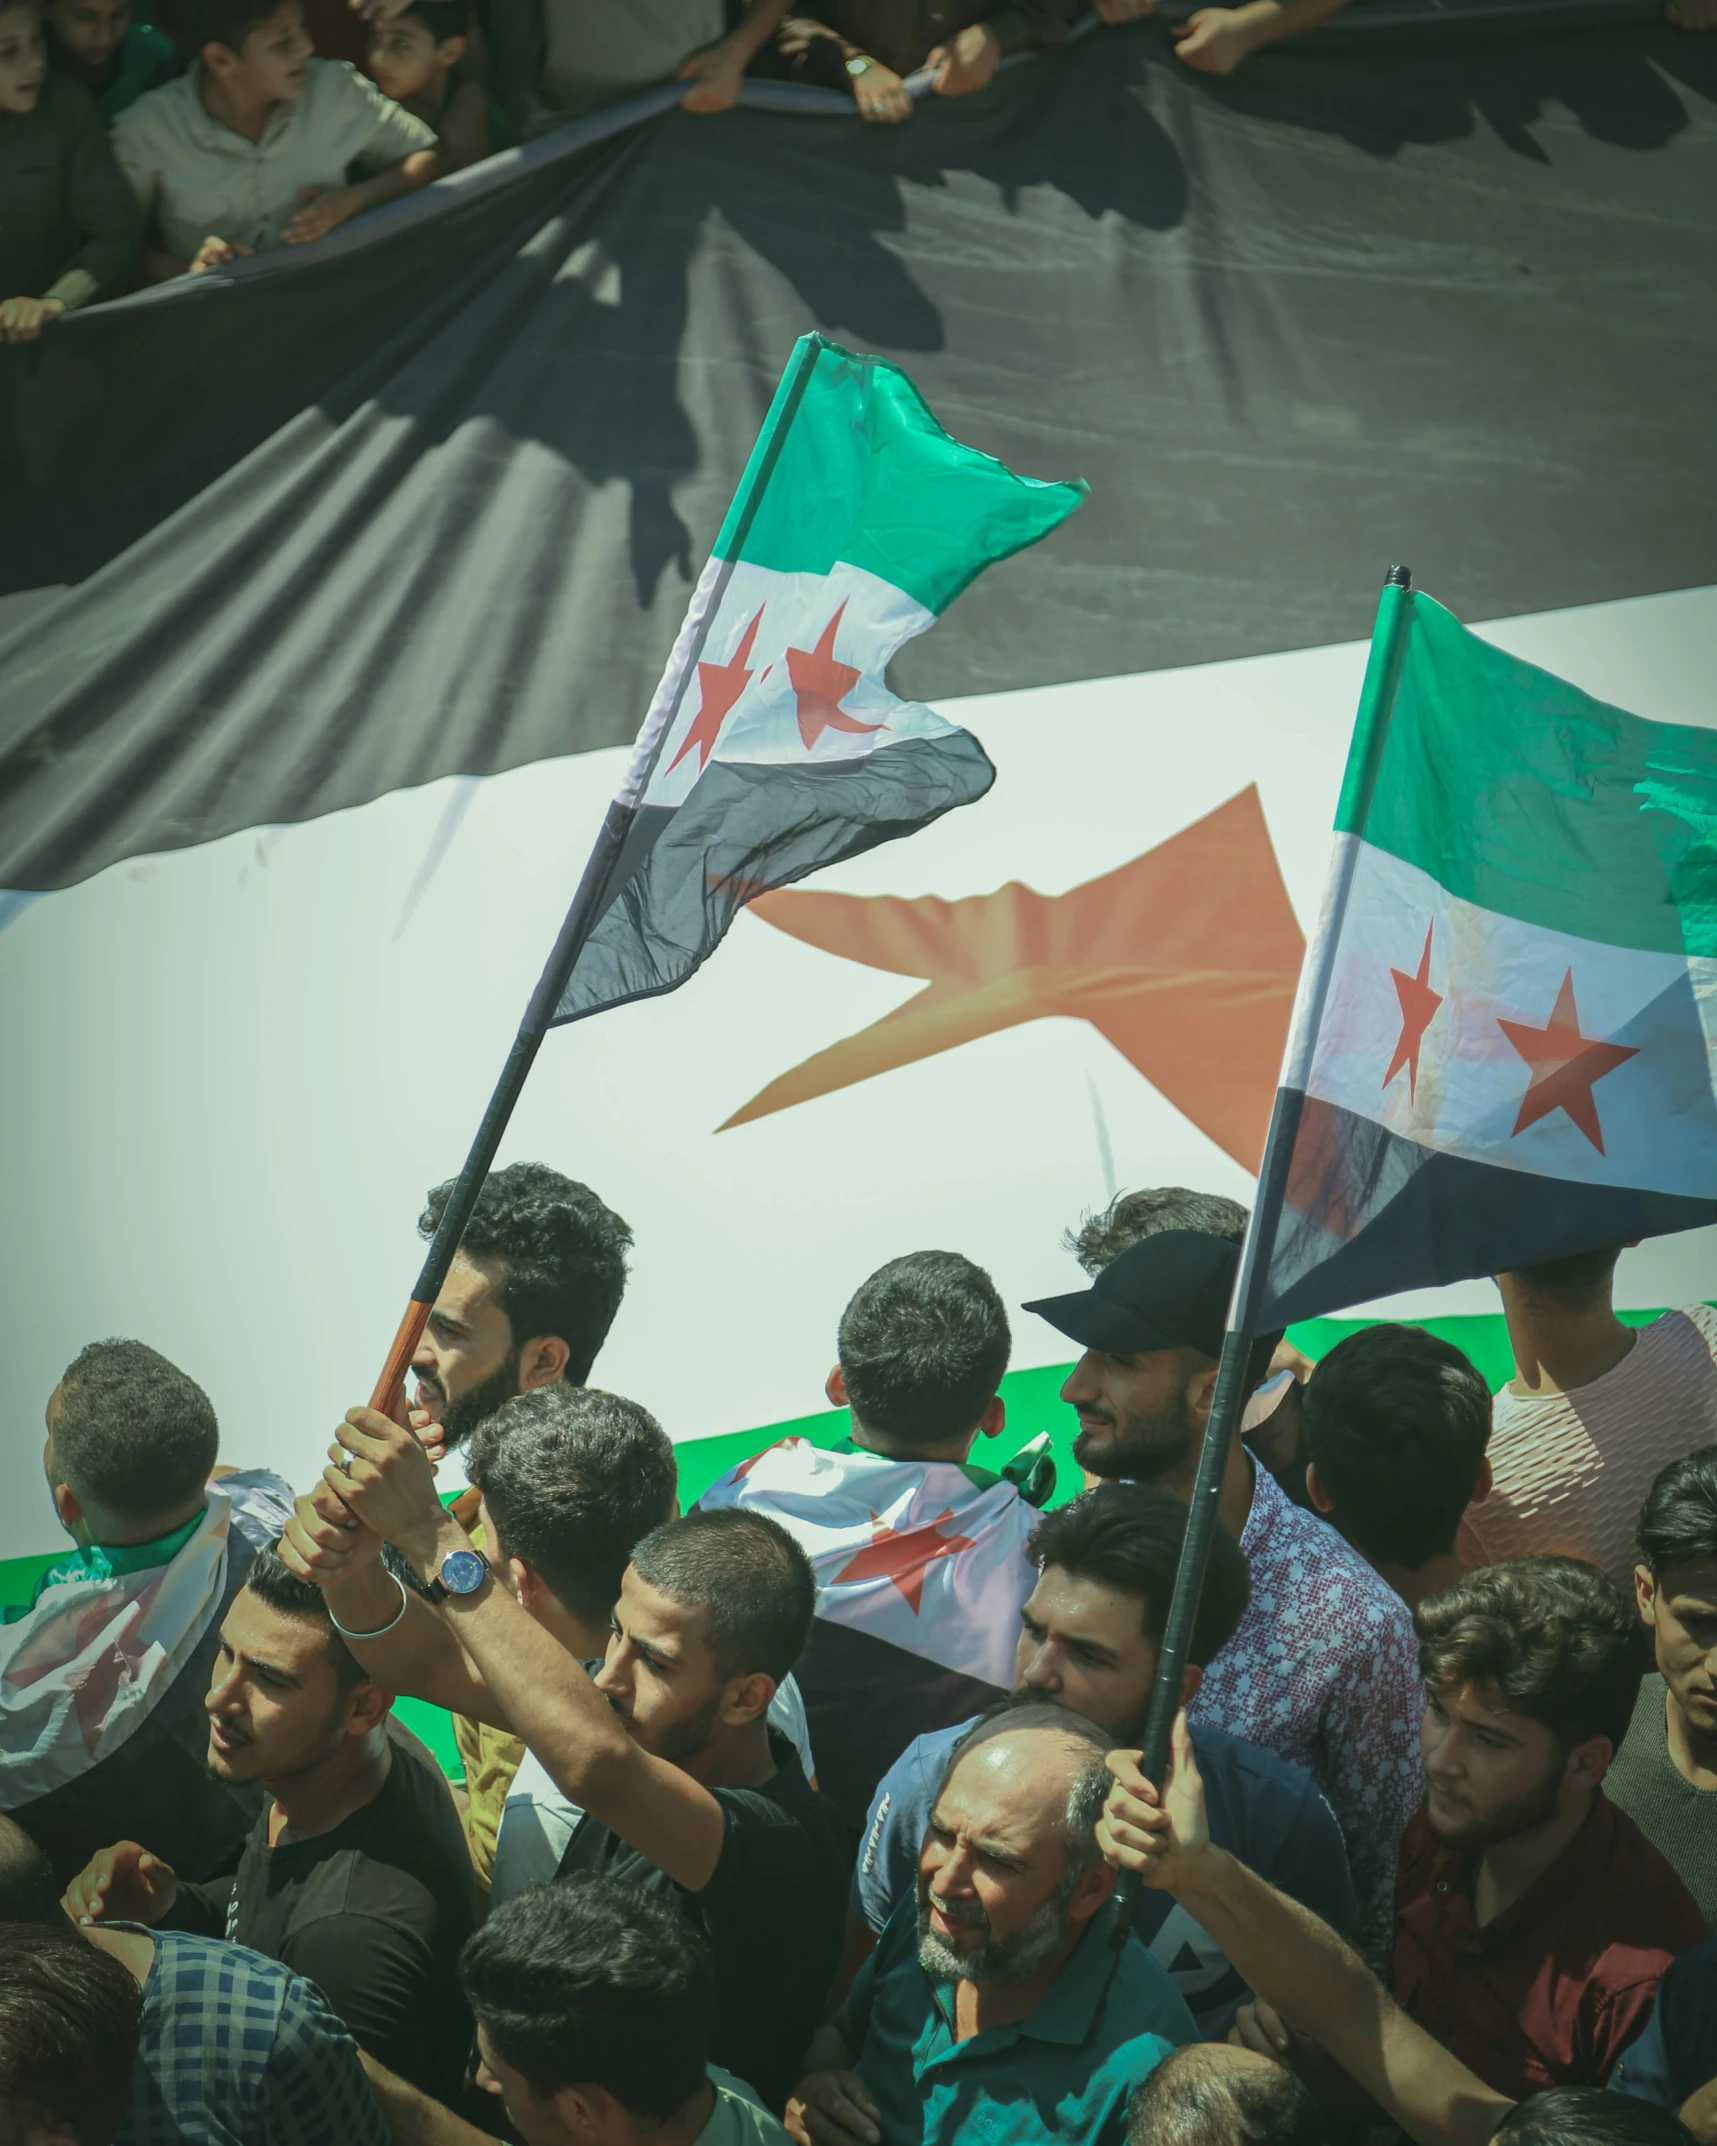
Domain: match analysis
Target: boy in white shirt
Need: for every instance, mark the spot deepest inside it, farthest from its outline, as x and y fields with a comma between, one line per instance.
x=250, y=149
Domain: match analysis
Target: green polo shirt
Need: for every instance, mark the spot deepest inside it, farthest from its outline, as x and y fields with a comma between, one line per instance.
x=1065, y=2072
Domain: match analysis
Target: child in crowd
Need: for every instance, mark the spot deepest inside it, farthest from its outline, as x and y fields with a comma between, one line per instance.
x=250, y=148
x=69, y=228
x=418, y=58
x=116, y=60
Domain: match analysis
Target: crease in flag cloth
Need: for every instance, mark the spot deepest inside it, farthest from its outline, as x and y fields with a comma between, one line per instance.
x=1502, y=1047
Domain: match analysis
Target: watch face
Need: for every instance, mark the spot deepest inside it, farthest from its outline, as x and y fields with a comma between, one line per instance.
x=857, y=67
x=462, y=1572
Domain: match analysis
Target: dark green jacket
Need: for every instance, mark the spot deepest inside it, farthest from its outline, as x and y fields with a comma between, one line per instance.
x=70, y=226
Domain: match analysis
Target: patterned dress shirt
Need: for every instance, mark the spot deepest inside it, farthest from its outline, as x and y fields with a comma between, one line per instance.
x=1324, y=1671
x=237, y=2050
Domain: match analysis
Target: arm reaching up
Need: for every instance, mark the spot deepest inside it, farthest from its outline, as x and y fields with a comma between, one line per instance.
x=1302, y=1972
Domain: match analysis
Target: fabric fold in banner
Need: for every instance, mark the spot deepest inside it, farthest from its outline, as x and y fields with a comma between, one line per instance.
x=773, y=745
x=1503, y=1047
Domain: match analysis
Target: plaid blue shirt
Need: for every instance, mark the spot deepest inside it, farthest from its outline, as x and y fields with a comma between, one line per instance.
x=239, y=2051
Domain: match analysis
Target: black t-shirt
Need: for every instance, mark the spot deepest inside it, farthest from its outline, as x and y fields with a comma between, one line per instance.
x=374, y=1913
x=773, y=1913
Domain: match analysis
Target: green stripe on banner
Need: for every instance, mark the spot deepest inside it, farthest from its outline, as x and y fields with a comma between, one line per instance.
x=1520, y=793
x=1033, y=1404
x=851, y=465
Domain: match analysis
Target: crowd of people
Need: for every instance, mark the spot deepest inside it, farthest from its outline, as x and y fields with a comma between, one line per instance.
x=142, y=140
x=1432, y=1851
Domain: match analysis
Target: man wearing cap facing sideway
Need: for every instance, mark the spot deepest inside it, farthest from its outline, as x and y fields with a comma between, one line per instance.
x=1324, y=1668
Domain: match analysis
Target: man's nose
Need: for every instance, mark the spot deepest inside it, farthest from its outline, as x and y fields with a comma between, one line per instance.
x=1041, y=1670
x=223, y=1690
x=1079, y=1385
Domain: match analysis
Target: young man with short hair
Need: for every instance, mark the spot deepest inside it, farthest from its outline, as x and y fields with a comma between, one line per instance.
x=527, y=1303
x=99, y=45
x=919, y=1556
x=996, y=1994
x=69, y=2020
x=88, y=1753
x=1396, y=1423
x=1323, y=1668
x=1595, y=1409
x=230, y=2046
x=667, y=1749
x=1106, y=1569
x=1665, y=1773
x=594, y=2002
x=356, y=1875
x=1533, y=1918
x=251, y=148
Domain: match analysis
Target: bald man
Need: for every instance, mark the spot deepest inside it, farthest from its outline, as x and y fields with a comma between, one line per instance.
x=1009, y=1929
x=1213, y=2094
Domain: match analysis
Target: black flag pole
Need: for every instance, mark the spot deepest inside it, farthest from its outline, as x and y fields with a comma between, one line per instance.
x=596, y=888
x=1229, y=1395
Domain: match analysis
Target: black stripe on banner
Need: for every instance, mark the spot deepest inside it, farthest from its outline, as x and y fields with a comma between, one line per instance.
x=1366, y=1213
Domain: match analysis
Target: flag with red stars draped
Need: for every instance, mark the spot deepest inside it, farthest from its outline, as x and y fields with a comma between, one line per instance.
x=773, y=745
x=921, y=1574
x=1503, y=1046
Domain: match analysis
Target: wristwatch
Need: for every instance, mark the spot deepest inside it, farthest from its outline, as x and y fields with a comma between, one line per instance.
x=859, y=64
x=462, y=1573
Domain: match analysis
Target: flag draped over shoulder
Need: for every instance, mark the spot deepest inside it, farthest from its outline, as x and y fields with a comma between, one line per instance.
x=1502, y=1050
x=85, y=1666
x=921, y=1572
x=773, y=746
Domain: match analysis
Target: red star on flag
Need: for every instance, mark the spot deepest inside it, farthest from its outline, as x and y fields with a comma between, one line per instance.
x=904, y=1558
x=821, y=683
x=719, y=686
x=1564, y=1066
x=1419, y=1005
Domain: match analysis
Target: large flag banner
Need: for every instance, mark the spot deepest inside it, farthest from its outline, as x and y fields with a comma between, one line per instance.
x=921, y=1574
x=1502, y=1049
x=773, y=745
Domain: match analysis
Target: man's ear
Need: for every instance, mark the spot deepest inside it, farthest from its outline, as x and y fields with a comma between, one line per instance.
x=450, y=51
x=1199, y=1389
x=994, y=1420
x=1483, y=1484
x=1589, y=1762
x=219, y=59
x=747, y=1699
x=1191, y=1677
x=367, y=1707
x=1316, y=1491
x=542, y=1360
x=1645, y=1594
x=67, y=1506
x=1093, y=1886
x=836, y=1388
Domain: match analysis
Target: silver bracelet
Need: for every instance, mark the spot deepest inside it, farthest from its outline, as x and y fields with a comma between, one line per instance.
x=382, y=1630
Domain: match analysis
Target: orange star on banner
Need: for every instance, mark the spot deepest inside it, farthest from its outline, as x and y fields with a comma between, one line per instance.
x=904, y=1558
x=1186, y=960
x=1565, y=1064
x=1419, y=1005
x=820, y=683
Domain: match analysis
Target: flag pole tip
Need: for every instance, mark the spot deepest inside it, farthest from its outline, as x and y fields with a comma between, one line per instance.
x=1398, y=577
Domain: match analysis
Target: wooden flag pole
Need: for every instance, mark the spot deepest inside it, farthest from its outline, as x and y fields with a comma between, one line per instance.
x=1229, y=1395
x=595, y=888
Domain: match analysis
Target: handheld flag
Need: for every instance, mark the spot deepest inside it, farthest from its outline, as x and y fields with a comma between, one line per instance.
x=1502, y=1047
x=773, y=746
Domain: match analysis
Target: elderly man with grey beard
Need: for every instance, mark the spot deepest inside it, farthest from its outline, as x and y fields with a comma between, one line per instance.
x=997, y=1994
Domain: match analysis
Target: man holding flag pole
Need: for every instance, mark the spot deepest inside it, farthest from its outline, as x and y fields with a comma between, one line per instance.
x=1501, y=1049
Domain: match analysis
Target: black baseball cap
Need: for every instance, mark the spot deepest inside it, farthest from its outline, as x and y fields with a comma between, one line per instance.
x=1169, y=1291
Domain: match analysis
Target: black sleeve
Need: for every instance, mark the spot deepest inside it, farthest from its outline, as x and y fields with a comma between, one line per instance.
x=104, y=209
x=376, y=1976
